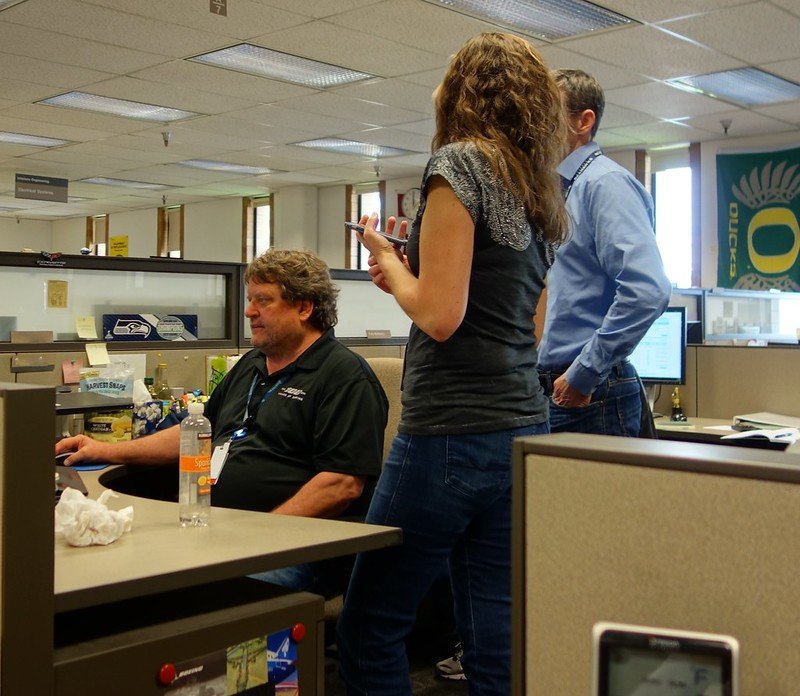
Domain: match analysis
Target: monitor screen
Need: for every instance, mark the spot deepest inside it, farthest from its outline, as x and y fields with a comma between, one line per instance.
x=660, y=357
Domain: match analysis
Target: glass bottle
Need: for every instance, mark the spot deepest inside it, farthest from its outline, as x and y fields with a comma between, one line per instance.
x=161, y=390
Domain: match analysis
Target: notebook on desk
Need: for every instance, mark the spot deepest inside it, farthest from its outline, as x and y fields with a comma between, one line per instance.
x=766, y=419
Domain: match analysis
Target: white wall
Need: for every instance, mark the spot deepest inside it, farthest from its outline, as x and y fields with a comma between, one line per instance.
x=28, y=234
x=69, y=234
x=212, y=230
x=296, y=217
x=139, y=226
x=331, y=239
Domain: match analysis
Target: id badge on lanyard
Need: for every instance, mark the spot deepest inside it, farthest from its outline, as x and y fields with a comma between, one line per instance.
x=220, y=454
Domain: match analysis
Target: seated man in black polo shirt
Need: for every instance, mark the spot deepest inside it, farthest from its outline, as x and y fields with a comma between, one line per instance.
x=310, y=412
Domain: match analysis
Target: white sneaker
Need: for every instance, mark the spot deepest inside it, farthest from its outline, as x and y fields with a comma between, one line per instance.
x=450, y=668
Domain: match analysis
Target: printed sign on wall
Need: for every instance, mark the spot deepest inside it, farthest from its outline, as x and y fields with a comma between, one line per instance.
x=758, y=207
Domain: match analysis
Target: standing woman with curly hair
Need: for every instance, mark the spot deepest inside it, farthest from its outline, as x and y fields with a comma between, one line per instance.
x=491, y=203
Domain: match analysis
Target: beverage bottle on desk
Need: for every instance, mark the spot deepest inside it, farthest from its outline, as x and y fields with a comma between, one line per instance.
x=161, y=390
x=148, y=382
x=194, y=484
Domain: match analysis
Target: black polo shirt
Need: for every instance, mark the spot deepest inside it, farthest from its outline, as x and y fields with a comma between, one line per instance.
x=328, y=414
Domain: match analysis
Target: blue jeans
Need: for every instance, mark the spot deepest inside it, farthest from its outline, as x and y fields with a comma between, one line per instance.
x=615, y=408
x=451, y=495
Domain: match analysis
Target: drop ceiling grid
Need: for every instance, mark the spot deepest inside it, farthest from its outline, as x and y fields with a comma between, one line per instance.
x=352, y=48
x=244, y=19
x=74, y=117
x=69, y=50
x=175, y=96
x=742, y=123
x=655, y=53
x=278, y=116
x=214, y=80
x=336, y=104
x=393, y=92
x=45, y=72
x=660, y=100
x=740, y=31
x=659, y=10
x=80, y=20
x=610, y=76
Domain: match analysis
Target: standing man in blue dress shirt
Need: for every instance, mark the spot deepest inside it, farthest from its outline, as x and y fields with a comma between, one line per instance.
x=607, y=284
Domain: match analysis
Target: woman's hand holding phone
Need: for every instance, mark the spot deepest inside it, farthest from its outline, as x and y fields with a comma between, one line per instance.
x=378, y=247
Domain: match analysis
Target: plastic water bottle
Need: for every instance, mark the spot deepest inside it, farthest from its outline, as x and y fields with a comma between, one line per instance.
x=194, y=485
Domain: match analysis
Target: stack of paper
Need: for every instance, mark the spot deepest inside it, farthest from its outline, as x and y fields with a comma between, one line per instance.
x=787, y=435
x=766, y=419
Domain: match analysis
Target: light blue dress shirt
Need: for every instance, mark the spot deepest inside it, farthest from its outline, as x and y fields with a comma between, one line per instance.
x=607, y=284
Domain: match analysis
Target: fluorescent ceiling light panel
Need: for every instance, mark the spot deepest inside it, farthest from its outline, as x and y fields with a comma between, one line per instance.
x=747, y=86
x=265, y=62
x=353, y=147
x=32, y=140
x=118, y=107
x=105, y=181
x=544, y=19
x=226, y=167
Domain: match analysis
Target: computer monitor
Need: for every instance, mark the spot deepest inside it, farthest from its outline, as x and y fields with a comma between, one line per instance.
x=660, y=357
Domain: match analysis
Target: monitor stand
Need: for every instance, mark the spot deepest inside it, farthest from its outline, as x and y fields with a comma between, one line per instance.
x=650, y=393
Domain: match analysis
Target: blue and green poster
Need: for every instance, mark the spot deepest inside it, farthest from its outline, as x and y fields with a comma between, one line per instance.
x=758, y=207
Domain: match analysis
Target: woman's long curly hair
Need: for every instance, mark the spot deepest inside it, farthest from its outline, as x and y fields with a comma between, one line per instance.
x=498, y=94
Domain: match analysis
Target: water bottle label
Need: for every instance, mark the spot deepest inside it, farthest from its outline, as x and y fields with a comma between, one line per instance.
x=195, y=464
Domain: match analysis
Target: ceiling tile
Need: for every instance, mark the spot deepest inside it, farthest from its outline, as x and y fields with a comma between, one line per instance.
x=790, y=113
x=743, y=123
x=657, y=10
x=662, y=132
x=278, y=117
x=658, y=54
x=427, y=78
x=75, y=117
x=81, y=20
x=426, y=127
x=609, y=76
x=247, y=133
x=364, y=52
x=394, y=92
x=740, y=32
x=789, y=5
x=317, y=8
x=174, y=96
x=308, y=155
x=208, y=78
x=69, y=50
x=391, y=137
x=18, y=125
x=24, y=91
x=44, y=72
x=788, y=69
x=336, y=104
x=664, y=101
x=420, y=24
x=610, y=141
x=615, y=116
x=245, y=18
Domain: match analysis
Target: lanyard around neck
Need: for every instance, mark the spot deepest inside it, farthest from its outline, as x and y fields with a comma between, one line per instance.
x=270, y=392
x=591, y=158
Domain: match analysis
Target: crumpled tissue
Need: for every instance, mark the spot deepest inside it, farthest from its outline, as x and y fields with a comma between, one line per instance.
x=83, y=521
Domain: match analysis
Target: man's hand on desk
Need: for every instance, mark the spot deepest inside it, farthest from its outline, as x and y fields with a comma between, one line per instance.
x=85, y=450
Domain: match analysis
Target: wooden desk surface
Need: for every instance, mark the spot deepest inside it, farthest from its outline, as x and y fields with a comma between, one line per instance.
x=158, y=555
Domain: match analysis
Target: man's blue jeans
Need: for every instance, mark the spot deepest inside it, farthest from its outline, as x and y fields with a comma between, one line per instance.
x=615, y=408
x=451, y=495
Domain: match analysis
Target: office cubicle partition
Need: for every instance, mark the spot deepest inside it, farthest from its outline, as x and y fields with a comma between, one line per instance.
x=681, y=536
x=26, y=540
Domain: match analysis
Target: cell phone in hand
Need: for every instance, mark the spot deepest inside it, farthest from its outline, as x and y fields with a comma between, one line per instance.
x=401, y=241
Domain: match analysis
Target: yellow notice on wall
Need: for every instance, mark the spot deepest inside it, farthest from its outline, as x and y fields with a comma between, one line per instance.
x=118, y=246
x=57, y=294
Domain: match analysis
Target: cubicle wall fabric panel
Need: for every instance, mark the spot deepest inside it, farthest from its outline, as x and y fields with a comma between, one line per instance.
x=682, y=550
x=758, y=208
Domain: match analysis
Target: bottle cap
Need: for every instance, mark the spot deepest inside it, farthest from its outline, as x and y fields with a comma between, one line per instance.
x=196, y=408
x=148, y=380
